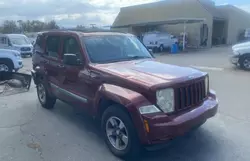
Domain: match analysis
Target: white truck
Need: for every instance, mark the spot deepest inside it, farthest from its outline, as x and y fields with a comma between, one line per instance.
x=158, y=41
x=241, y=55
x=17, y=42
x=10, y=60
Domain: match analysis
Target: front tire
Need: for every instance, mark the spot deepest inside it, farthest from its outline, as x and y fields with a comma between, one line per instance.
x=119, y=132
x=44, y=98
x=245, y=62
x=6, y=66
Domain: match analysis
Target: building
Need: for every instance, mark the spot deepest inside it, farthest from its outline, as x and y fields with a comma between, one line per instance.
x=220, y=25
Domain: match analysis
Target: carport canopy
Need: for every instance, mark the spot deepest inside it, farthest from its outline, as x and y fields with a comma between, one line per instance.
x=183, y=21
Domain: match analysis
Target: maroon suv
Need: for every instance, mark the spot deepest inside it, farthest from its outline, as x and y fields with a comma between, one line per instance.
x=114, y=78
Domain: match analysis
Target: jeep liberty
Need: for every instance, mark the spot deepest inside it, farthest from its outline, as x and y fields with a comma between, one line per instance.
x=112, y=76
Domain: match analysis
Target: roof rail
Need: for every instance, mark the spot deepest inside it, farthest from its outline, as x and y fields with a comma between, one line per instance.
x=86, y=30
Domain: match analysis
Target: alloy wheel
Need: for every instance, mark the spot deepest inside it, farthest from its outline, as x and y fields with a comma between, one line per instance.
x=4, y=68
x=117, y=133
x=41, y=93
x=246, y=63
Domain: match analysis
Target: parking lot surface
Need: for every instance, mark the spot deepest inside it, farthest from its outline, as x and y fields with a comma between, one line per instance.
x=31, y=133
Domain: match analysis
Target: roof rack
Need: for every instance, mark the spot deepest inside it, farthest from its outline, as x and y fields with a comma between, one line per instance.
x=85, y=30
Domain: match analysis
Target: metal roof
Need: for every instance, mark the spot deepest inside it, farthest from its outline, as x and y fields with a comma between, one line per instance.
x=166, y=12
x=168, y=22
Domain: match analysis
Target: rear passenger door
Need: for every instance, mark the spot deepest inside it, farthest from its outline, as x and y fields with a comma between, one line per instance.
x=52, y=61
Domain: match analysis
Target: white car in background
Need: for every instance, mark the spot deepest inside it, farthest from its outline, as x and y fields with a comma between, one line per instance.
x=10, y=60
x=159, y=40
x=17, y=42
x=241, y=55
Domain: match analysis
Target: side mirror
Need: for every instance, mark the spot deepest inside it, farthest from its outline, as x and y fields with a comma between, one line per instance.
x=151, y=51
x=9, y=43
x=71, y=59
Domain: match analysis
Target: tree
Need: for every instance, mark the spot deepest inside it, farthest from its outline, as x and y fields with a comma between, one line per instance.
x=52, y=25
x=27, y=26
x=9, y=26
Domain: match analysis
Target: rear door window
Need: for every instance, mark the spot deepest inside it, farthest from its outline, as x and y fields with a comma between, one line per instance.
x=52, y=46
x=39, y=44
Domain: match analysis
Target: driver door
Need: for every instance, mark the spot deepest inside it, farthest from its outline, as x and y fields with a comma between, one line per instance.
x=74, y=89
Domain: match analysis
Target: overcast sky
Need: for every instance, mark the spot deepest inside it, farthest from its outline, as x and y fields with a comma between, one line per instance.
x=72, y=12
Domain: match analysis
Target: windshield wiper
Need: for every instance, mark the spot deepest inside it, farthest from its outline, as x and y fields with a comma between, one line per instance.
x=138, y=57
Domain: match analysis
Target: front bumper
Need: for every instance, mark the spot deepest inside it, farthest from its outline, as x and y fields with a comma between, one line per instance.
x=235, y=59
x=164, y=128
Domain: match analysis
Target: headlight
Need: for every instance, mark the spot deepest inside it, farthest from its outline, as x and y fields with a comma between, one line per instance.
x=17, y=54
x=235, y=52
x=16, y=48
x=206, y=85
x=165, y=99
x=148, y=109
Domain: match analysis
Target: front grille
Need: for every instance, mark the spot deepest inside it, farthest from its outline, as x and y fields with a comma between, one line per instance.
x=25, y=49
x=190, y=95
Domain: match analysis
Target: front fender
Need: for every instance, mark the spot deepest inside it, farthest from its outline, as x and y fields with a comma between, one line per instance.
x=131, y=100
x=120, y=95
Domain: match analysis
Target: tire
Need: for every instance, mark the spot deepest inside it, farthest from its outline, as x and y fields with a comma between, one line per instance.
x=133, y=147
x=161, y=48
x=245, y=62
x=46, y=101
x=7, y=64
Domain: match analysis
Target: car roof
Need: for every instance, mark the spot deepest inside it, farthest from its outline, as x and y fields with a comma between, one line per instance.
x=15, y=34
x=85, y=33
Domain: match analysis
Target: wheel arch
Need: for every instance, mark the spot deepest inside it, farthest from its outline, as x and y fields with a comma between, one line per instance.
x=127, y=100
x=8, y=60
x=108, y=95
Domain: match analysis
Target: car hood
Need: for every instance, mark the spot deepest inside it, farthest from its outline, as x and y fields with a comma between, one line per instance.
x=241, y=45
x=25, y=45
x=150, y=72
x=8, y=51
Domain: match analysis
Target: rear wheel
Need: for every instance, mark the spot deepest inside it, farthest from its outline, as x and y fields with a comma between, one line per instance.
x=44, y=98
x=245, y=62
x=119, y=132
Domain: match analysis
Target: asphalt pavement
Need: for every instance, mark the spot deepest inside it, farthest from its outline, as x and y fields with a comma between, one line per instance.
x=31, y=133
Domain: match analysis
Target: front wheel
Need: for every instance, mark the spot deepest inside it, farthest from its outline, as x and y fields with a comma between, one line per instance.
x=6, y=66
x=44, y=98
x=119, y=132
x=245, y=63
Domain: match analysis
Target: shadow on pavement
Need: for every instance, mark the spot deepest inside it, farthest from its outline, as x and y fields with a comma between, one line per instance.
x=198, y=145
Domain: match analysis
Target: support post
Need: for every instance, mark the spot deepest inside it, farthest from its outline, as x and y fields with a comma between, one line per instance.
x=184, y=36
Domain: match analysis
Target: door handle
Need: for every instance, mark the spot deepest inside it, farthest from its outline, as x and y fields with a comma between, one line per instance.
x=60, y=66
x=45, y=61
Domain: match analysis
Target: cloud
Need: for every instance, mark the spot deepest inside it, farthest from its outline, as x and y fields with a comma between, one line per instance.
x=245, y=7
x=65, y=12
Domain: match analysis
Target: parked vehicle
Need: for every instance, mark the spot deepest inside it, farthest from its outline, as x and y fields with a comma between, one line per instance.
x=159, y=41
x=17, y=42
x=241, y=55
x=139, y=101
x=10, y=60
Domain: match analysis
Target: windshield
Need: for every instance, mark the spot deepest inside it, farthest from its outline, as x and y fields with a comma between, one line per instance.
x=113, y=48
x=19, y=40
